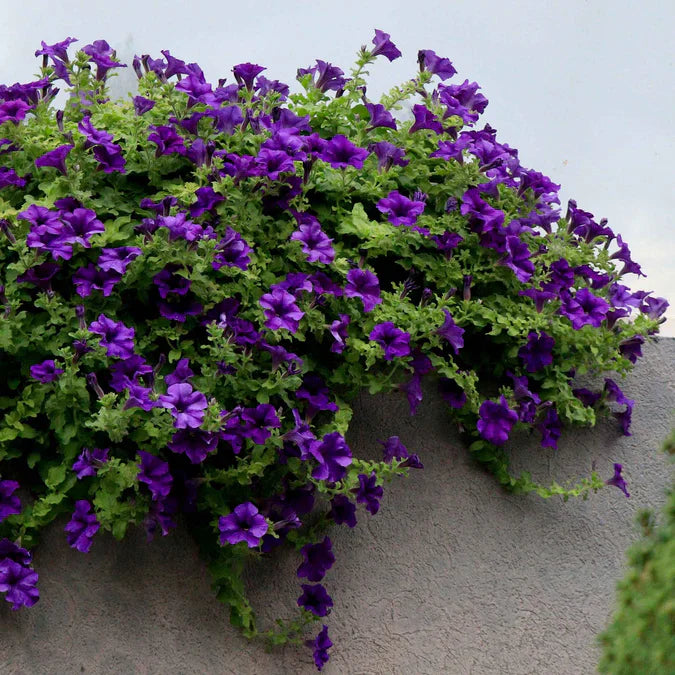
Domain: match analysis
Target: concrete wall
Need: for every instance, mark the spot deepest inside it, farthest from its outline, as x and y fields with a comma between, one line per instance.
x=451, y=576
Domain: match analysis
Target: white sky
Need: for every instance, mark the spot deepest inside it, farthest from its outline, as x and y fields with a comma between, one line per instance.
x=585, y=89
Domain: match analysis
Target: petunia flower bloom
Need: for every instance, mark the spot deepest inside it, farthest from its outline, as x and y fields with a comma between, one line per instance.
x=186, y=405
x=166, y=140
x=321, y=644
x=436, y=65
x=281, y=310
x=425, y=119
x=46, y=371
x=340, y=153
x=115, y=337
x=384, y=46
x=10, y=504
x=393, y=449
x=365, y=285
x=584, y=308
x=399, y=209
x=388, y=155
x=82, y=527
x=380, y=117
x=89, y=461
x=195, y=444
x=338, y=329
x=451, y=332
x=55, y=158
x=537, y=353
x=333, y=455
x=154, y=472
x=343, y=510
x=117, y=259
x=245, y=523
x=394, y=341
x=318, y=559
x=142, y=105
x=496, y=421
x=17, y=582
x=257, y=422
x=616, y=480
x=315, y=242
x=245, y=73
x=315, y=599
x=368, y=492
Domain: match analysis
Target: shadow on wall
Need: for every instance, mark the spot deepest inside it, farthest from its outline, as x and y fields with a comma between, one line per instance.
x=451, y=576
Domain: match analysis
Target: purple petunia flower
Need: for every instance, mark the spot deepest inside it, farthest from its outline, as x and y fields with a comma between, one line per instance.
x=380, y=116
x=10, y=504
x=115, y=337
x=281, y=310
x=196, y=444
x=82, y=526
x=257, y=422
x=451, y=332
x=167, y=140
x=584, y=308
x=55, y=158
x=154, y=472
x=244, y=524
x=329, y=76
x=537, y=353
x=617, y=480
x=399, y=209
x=142, y=105
x=365, y=285
x=368, y=492
x=207, y=200
x=100, y=53
x=496, y=421
x=17, y=582
x=90, y=278
x=245, y=73
x=550, y=429
x=315, y=242
x=394, y=341
x=631, y=348
x=89, y=461
x=186, y=405
x=319, y=559
x=315, y=599
x=117, y=259
x=316, y=393
x=81, y=226
x=333, y=455
x=338, y=329
x=343, y=510
x=45, y=371
x=340, y=153
x=436, y=65
x=425, y=119
x=447, y=243
x=463, y=100
x=232, y=251
x=384, y=46
x=393, y=449
x=321, y=644
x=388, y=155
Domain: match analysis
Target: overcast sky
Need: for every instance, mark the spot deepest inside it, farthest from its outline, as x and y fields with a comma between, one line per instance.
x=585, y=89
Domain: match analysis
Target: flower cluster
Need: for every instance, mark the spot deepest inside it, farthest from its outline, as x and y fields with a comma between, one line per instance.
x=197, y=283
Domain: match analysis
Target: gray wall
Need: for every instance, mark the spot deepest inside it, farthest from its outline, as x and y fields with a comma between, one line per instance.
x=451, y=576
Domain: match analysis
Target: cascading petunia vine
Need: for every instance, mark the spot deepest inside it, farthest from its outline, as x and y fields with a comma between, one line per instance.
x=196, y=283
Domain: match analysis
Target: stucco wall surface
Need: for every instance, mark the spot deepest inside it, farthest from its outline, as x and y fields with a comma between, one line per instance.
x=451, y=576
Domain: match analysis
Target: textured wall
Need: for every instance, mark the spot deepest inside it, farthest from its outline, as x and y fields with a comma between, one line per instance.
x=451, y=576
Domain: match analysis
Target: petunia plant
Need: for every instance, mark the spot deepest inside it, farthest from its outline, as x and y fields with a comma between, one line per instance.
x=196, y=283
